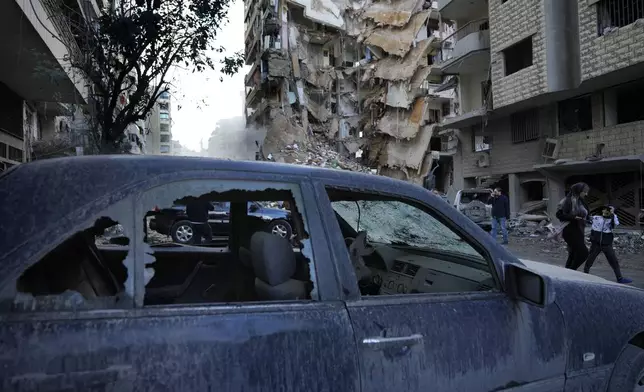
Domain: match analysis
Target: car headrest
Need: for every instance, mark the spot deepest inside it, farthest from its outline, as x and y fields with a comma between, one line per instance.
x=273, y=258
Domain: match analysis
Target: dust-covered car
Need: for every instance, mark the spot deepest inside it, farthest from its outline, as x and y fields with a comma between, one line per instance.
x=383, y=287
x=473, y=203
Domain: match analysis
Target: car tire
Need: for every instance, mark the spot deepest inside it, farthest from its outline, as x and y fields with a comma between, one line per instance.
x=628, y=373
x=183, y=232
x=281, y=228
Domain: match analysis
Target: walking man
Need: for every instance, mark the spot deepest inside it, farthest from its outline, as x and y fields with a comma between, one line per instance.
x=601, y=241
x=500, y=213
x=197, y=212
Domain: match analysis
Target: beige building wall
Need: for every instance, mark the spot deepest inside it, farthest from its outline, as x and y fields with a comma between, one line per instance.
x=613, y=51
x=505, y=156
x=511, y=22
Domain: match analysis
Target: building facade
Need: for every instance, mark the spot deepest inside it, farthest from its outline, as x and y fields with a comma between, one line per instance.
x=364, y=77
x=159, y=127
x=548, y=94
x=38, y=85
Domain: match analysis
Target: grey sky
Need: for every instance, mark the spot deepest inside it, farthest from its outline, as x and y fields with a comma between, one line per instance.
x=196, y=120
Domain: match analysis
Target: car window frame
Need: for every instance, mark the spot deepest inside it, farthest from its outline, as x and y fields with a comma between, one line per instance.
x=323, y=278
x=120, y=211
x=343, y=257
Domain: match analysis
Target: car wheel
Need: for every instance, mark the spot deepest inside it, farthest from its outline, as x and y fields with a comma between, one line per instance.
x=628, y=373
x=183, y=232
x=281, y=228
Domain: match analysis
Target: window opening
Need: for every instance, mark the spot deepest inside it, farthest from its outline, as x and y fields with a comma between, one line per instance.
x=401, y=248
x=86, y=271
x=575, y=115
x=231, y=246
x=629, y=107
x=481, y=142
x=525, y=126
x=613, y=14
x=518, y=56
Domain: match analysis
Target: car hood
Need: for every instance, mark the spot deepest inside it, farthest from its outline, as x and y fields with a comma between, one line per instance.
x=559, y=273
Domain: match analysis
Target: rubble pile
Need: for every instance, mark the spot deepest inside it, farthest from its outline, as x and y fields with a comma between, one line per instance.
x=317, y=152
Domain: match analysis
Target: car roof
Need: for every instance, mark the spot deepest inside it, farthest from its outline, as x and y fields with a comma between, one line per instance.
x=34, y=194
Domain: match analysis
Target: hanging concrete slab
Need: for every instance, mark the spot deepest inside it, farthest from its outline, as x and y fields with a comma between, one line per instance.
x=396, y=13
x=408, y=153
x=403, y=124
x=397, y=41
x=395, y=68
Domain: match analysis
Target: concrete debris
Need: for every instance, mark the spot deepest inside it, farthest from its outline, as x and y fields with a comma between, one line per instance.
x=282, y=131
x=356, y=78
x=407, y=153
x=396, y=13
x=395, y=68
x=316, y=110
x=317, y=152
x=278, y=66
x=397, y=41
x=403, y=124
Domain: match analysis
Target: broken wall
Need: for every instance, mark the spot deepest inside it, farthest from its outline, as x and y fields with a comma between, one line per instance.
x=360, y=74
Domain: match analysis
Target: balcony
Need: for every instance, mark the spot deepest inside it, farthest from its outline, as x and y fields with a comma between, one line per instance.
x=467, y=50
x=462, y=10
x=39, y=70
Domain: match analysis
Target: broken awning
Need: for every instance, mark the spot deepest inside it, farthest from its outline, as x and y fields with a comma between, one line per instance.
x=605, y=165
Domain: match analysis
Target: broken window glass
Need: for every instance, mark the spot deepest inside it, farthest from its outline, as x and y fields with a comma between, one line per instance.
x=86, y=271
x=234, y=242
x=399, y=248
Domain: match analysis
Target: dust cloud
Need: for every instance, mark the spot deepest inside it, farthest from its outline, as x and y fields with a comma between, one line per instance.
x=232, y=140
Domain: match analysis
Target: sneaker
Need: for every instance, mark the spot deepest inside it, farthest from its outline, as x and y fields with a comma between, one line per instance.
x=624, y=280
x=504, y=243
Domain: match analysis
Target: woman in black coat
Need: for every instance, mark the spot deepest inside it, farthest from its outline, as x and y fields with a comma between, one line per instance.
x=574, y=210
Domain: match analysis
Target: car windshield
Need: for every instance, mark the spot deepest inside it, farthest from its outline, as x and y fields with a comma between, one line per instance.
x=397, y=223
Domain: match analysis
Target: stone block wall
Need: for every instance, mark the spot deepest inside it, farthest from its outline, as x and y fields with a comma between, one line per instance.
x=619, y=49
x=511, y=22
x=507, y=157
x=619, y=140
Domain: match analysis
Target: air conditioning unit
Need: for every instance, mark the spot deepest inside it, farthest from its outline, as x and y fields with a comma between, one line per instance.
x=483, y=160
x=551, y=149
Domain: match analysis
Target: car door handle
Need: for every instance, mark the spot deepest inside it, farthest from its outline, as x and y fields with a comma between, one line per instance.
x=382, y=343
x=82, y=380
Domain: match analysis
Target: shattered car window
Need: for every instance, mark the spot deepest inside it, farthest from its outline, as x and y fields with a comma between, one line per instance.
x=224, y=242
x=86, y=271
x=397, y=223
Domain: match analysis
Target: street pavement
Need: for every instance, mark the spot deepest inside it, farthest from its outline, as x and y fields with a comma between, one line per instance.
x=602, y=269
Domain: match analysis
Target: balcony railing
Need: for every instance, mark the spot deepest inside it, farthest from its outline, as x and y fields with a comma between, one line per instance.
x=63, y=18
x=449, y=45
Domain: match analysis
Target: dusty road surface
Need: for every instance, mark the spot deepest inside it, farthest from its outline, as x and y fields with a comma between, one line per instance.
x=631, y=258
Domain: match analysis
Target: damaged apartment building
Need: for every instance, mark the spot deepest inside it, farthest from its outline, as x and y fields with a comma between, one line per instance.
x=364, y=74
x=549, y=94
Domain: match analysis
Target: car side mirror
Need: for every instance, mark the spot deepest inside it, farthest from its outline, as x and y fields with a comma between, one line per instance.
x=253, y=208
x=525, y=285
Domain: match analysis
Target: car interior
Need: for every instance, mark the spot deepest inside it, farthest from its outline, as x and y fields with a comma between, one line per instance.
x=254, y=265
x=400, y=268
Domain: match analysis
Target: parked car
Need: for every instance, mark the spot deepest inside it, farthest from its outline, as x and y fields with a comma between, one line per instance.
x=174, y=222
x=439, y=304
x=473, y=203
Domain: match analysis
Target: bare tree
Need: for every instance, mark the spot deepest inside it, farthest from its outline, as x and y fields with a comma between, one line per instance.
x=127, y=51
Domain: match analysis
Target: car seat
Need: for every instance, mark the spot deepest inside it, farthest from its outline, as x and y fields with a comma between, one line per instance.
x=274, y=265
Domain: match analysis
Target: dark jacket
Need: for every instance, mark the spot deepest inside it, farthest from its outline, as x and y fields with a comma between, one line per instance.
x=197, y=210
x=564, y=213
x=602, y=230
x=500, y=206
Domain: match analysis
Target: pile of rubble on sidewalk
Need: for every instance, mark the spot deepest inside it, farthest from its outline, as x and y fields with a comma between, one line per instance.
x=317, y=152
x=533, y=221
